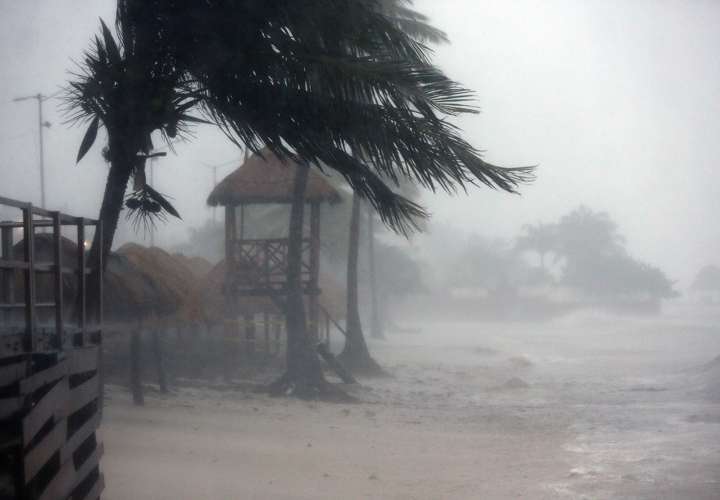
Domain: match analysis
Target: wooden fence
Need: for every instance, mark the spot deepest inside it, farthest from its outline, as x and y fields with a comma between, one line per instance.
x=50, y=378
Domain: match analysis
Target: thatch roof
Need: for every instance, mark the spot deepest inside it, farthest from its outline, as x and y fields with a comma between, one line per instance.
x=129, y=294
x=198, y=266
x=171, y=276
x=268, y=179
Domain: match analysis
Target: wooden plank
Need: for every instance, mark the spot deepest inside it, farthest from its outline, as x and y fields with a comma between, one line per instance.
x=12, y=373
x=82, y=290
x=36, y=381
x=13, y=264
x=83, y=394
x=22, y=305
x=336, y=366
x=9, y=407
x=89, y=464
x=83, y=359
x=29, y=254
x=58, y=281
x=52, y=405
x=79, y=437
x=36, y=458
x=95, y=491
x=61, y=485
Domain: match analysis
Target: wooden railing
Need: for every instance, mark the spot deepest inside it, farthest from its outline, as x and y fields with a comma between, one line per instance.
x=62, y=332
x=50, y=372
x=259, y=267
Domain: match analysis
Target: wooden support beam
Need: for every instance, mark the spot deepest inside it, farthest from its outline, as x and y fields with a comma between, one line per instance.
x=29, y=254
x=82, y=291
x=333, y=363
x=314, y=313
x=58, y=282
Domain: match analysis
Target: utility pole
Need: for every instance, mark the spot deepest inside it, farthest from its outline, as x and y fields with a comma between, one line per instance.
x=41, y=124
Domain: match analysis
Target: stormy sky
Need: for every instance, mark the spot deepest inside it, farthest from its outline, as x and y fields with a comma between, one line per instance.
x=617, y=102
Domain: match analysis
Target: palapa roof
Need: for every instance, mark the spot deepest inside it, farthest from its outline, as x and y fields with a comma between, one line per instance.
x=268, y=179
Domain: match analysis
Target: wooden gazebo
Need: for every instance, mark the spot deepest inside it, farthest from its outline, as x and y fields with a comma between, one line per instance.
x=256, y=261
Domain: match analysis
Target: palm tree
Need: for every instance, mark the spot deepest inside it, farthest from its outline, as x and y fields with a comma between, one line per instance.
x=377, y=330
x=540, y=238
x=355, y=355
x=322, y=83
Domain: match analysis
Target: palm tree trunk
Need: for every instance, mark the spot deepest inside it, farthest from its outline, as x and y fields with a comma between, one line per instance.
x=376, y=325
x=303, y=376
x=122, y=165
x=355, y=356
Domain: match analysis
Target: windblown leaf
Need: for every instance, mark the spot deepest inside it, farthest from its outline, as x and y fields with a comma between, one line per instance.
x=164, y=203
x=110, y=46
x=88, y=139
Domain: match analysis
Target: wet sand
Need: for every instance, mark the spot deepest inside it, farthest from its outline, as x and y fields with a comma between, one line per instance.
x=584, y=407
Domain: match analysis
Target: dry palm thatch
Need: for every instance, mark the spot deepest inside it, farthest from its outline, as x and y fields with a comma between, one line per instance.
x=265, y=178
x=198, y=266
x=129, y=294
x=172, y=278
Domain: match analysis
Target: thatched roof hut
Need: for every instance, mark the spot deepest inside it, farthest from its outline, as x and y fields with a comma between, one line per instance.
x=131, y=295
x=173, y=279
x=198, y=266
x=128, y=292
x=265, y=178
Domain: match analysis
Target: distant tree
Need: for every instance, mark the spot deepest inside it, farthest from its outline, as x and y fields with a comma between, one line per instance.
x=485, y=263
x=597, y=263
x=707, y=279
x=584, y=233
x=619, y=276
x=540, y=238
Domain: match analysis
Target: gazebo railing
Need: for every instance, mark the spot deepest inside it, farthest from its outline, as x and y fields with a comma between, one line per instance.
x=259, y=267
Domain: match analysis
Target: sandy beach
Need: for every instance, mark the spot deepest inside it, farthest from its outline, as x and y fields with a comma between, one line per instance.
x=585, y=407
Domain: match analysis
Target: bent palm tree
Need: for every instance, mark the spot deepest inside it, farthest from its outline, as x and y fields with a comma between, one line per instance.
x=355, y=355
x=323, y=83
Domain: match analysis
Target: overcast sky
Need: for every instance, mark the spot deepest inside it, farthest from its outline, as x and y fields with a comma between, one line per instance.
x=616, y=101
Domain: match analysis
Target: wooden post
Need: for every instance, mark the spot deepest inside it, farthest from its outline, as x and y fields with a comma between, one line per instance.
x=249, y=320
x=7, y=276
x=266, y=331
x=159, y=362
x=314, y=271
x=29, y=230
x=277, y=327
x=99, y=228
x=327, y=328
x=230, y=239
x=99, y=317
x=82, y=291
x=58, y=262
x=135, y=368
